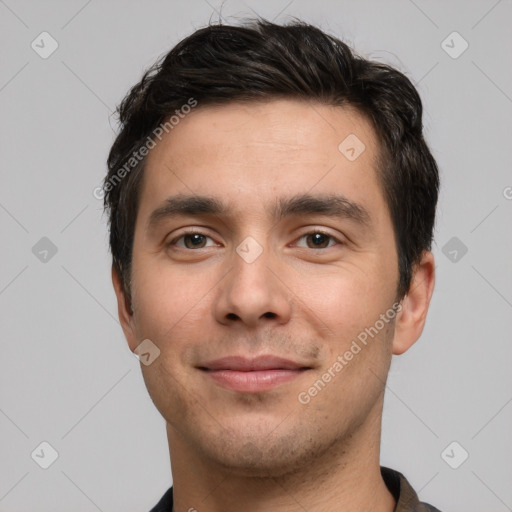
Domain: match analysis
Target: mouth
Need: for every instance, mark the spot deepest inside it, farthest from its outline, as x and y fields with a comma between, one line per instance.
x=252, y=375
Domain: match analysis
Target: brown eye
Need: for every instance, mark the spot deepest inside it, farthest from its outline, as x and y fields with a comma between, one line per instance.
x=196, y=240
x=190, y=240
x=319, y=240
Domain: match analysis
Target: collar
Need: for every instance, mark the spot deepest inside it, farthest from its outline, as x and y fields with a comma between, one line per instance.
x=405, y=496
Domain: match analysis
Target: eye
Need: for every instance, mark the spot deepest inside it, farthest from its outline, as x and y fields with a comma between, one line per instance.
x=191, y=240
x=319, y=240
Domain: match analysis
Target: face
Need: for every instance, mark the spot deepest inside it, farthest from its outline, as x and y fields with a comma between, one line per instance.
x=275, y=255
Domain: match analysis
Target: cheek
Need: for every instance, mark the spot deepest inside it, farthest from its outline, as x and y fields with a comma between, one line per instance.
x=170, y=309
x=349, y=304
x=167, y=302
x=344, y=299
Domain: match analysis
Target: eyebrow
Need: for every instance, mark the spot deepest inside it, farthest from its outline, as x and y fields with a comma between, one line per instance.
x=333, y=205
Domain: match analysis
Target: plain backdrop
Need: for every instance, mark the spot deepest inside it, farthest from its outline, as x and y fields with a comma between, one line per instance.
x=67, y=376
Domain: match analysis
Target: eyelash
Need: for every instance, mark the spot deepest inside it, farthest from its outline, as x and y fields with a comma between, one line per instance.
x=314, y=232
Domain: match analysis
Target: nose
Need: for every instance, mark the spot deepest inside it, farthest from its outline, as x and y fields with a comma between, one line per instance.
x=253, y=292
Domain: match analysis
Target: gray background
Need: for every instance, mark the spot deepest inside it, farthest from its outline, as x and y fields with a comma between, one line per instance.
x=67, y=375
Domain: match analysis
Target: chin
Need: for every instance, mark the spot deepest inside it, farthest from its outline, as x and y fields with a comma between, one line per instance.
x=251, y=461
x=263, y=454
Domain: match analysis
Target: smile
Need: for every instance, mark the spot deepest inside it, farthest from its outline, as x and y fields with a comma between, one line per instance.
x=252, y=375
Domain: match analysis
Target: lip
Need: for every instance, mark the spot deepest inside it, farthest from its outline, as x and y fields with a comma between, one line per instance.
x=252, y=375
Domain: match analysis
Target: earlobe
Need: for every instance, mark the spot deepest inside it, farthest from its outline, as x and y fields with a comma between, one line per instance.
x=411, y=318
x=124, y=311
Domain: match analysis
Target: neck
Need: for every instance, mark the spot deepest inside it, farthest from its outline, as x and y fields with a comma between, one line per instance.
x=345, y=478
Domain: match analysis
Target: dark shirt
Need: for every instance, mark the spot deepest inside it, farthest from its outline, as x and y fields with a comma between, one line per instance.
x=405, y=496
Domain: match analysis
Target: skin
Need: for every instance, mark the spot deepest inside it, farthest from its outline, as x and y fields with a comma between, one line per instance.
x=268, y=451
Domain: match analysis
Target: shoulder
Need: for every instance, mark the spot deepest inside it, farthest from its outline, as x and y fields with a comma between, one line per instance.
x=165, y=504
x=406, y=498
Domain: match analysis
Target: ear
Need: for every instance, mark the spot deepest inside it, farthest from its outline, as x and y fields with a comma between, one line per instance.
x=411, y=318
x=124, y=311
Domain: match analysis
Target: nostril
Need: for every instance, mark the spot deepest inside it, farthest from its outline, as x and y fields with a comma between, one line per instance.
x=269, y=314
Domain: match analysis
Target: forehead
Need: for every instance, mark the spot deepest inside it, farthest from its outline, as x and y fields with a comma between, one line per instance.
x=255, y=151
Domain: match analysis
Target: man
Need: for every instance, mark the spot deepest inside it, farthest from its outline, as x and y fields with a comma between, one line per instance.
x=272, y=202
